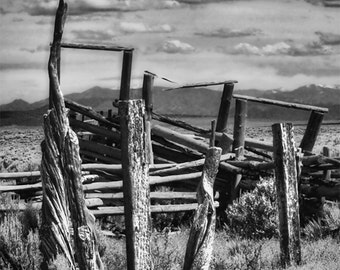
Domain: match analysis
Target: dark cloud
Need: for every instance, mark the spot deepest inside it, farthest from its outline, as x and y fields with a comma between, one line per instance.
x=329, y=38
x=230, y=33
x=2, y=11
x=93, y=35
x=283, y=48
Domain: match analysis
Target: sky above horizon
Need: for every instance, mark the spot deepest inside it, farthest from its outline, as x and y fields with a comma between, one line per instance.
x=263, y=44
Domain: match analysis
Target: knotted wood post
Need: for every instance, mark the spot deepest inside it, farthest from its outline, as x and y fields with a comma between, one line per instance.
x=286, y=178
x=63, y=198
x=312, y=131
x=239, y=140
x=200, y=244
x=147, y=96
x=135, y=184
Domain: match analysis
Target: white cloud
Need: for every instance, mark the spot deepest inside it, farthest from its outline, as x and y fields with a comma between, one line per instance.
x=176, y=46
x=283, y=48
x=135, y=27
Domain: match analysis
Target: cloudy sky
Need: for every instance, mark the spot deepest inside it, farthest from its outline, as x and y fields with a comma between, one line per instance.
x=264, y=44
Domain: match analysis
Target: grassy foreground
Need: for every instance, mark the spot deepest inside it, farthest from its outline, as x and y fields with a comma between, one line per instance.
x=248, y=240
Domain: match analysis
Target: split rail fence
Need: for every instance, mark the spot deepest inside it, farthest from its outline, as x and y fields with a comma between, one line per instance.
x=127, y=155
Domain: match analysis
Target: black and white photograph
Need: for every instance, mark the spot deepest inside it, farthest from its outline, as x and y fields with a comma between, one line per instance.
x=169, y=134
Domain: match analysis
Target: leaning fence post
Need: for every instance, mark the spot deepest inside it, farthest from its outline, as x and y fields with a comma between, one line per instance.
x=221, y=126
x=63, y=197
x=147, y=96
x=286, y=175
x=135, y=184
x=223, y=111
x=200, y=244
x=312, y=131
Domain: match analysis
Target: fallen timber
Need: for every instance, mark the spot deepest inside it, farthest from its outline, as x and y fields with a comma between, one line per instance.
x=317, y=161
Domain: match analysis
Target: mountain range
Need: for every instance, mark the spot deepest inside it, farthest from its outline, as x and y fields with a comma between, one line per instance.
x=186, y=102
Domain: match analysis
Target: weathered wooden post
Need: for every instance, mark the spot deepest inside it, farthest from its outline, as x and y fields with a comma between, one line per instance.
x=223, y=113
x=126, y=75
x=200, y=244
x=147, y=96
x=63, y=198
x=239, y=138
x=312, y=131
x=326, y=173
x=286, y=175
x=135, y=184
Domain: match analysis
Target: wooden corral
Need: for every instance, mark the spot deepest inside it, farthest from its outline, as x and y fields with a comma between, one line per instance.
x=113, y=163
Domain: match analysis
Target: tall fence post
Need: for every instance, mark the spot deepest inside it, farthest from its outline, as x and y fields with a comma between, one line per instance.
x=312, y=131
x=135, y=184
x=286, y=178
x=147, y=96
x=239, y=138
x=63, y=197
x=124, y=93
x=200, y=244
x=225, y=143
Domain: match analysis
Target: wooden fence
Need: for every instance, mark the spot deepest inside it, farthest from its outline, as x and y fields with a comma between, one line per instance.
x=126, y=155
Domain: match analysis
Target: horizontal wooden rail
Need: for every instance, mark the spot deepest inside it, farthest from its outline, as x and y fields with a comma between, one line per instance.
x=283, y=103
x=178, y=123
x=186, y=165
x=114, y=135
x=171, y=208
x=89, y=112
x=91, y=156
x=17, y=175
x=100, y=149
x=95, y=47
x=154, y=180
x=248, y=142
x=179, y=138
x=201, y=84
x=159, y=195
x=113, y=168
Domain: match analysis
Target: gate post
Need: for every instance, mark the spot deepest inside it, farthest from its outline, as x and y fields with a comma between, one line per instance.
x=286, y=175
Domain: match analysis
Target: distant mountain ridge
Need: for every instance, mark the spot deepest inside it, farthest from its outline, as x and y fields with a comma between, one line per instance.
x=194, y=102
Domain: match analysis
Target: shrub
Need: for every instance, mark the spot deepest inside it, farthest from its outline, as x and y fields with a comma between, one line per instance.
x=254, y=214
x=20, y=241
x=327, y=225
